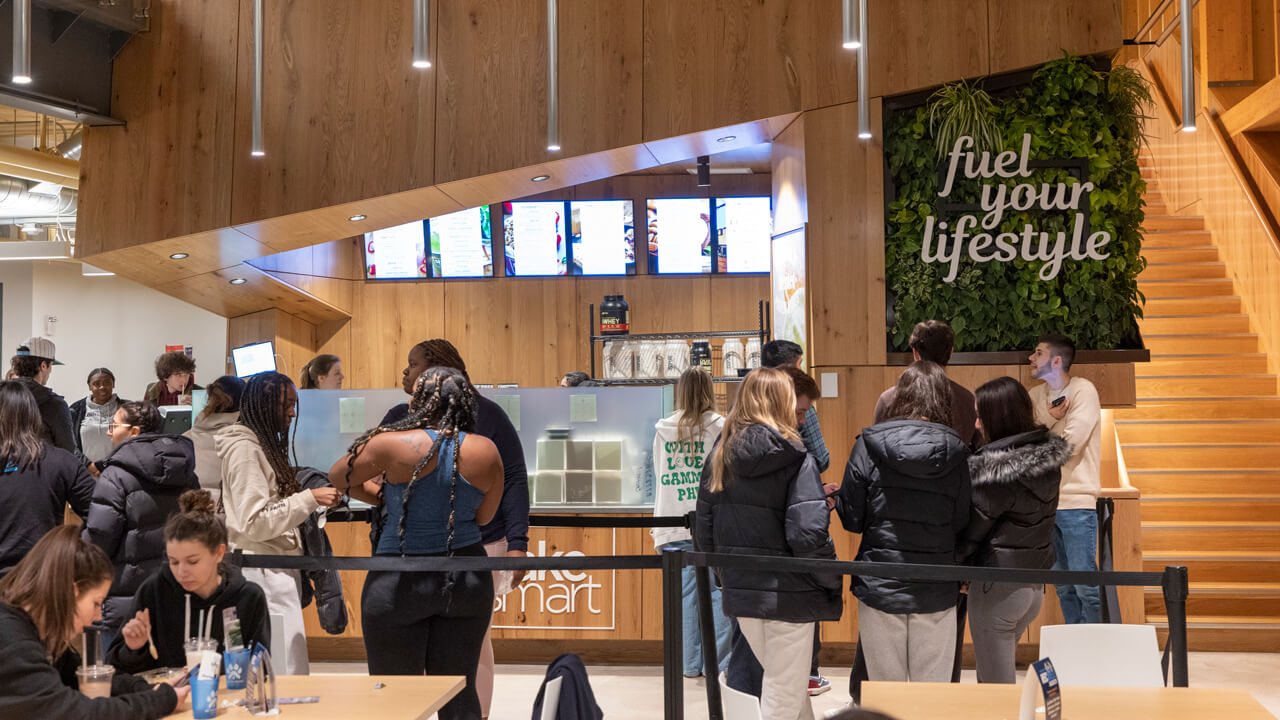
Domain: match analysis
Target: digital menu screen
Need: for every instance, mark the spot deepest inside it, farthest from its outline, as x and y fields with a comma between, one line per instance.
x=461, y=244
x=396, y=253
x=534, y=238
x=679, y=231
x=602, y=237
x=743, y=230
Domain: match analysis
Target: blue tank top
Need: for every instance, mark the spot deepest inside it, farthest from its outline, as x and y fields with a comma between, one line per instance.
x=427, y=528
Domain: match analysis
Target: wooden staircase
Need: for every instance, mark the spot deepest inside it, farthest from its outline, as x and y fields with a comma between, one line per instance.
x=1203, y=444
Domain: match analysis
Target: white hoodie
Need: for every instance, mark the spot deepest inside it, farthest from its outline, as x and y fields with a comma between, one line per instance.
x=677, y=470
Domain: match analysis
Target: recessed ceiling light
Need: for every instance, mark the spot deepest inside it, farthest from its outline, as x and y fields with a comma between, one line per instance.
x=178, y=256
x=540, y=178
x=357, y=217
x=727, y=138
x=237, y=281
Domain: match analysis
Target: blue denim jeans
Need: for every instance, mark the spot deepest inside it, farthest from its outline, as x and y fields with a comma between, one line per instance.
x=693, y=663
x=1075, y=539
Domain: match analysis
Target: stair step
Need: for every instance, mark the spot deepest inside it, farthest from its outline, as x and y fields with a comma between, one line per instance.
x=1184, y=271
x=1173, y=456
x=1208, y=481
x=1156, y=223
x=1210, y=633
x=1186, y=324
x=1196, y=343
x=1205, y=385
x=1185, y=288
x=1207, y=535
x=1242, y=566
x=1181, y=408
x=1171, y=508
x=1194, y=253
x=1197, y=431
x=1202, y=363
x=1216, y=305
x=1260, y=600
x=1175, y=238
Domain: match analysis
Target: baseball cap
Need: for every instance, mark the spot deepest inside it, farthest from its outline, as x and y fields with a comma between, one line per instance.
x=41, y=348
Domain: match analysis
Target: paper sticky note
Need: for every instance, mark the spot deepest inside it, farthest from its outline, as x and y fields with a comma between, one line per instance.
x=582, y=408
x=830, y=385
x=351, y=415
x=510, y=404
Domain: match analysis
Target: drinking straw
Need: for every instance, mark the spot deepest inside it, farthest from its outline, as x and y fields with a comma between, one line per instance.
x=208, y=626
x=200, y=625
x=186, y=624
x=101, y=658
x=84, y=649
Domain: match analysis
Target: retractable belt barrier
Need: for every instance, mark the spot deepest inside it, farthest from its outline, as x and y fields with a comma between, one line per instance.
x=1173, y=582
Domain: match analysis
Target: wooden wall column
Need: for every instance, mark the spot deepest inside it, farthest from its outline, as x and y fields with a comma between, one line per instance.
x=294, y=338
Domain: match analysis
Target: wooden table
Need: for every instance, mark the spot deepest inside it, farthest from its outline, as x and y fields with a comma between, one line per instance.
x=961, y=701
x=344, y=697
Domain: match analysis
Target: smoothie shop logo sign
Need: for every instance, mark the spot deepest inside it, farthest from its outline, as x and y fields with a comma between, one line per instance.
x=979, y=237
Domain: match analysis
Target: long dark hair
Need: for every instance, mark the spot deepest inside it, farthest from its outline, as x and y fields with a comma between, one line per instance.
x=262, y=410
x=445, y=401
x=22, y=442
x=1004, y=406
x=316, y=368
x=923, y=393
x=49, y=579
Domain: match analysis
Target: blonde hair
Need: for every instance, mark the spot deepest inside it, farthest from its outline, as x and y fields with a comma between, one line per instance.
x=695, y=396
x=767, y=397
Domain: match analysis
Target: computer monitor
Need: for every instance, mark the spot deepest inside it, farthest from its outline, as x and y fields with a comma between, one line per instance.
x=177, y=419
x=254, y=359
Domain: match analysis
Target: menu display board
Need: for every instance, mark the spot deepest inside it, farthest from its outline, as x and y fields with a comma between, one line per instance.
x=603, y=239
x=396, y=253
x=679, y=231
x=461, y=244
x=743, y=228
x=533, y=237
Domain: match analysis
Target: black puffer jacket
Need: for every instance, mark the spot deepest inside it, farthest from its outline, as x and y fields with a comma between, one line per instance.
x=772, y=504
x=1015, y=498
x=136, y=493
x=906, y=490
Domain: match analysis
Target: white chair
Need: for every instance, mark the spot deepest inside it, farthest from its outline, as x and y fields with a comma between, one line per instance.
x=1103, y=655
x=551, y=698
x=738, y=705
x=278, y=649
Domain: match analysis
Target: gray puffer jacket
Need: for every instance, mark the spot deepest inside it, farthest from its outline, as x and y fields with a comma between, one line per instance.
x=133, y=498
x=772, y=504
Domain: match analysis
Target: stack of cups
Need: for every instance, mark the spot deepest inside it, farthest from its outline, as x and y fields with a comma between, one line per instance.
x=753, y=353
x=677, y=357
x=733, y=357
x=651, y=361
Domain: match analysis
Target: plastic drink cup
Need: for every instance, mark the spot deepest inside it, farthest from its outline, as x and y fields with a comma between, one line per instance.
x=95, y=680
x=195, y=648
x=204, y=697
x=235, y=665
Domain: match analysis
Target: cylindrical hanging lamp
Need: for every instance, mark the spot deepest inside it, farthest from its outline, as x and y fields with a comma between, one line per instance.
x=849, y=18
x=1188, y=72
x=22, y=42
x=864, y=106
x=421, y=58
x=256, y=147
x=553, y=80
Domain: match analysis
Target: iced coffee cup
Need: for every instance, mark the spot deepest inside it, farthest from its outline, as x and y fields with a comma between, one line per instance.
x=195, y=649
x=95, y=680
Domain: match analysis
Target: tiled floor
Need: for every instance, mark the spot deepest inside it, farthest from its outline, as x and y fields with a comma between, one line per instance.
x=628, y=692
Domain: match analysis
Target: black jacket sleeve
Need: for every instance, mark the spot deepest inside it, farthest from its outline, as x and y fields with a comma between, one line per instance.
x=515, y=483
x=58, y=416
x=985, y=510
x=79, y=489
x=807, y=520
x=851, y=500
x=703, y=530
x=78, y=411
x=32, y=687
x=105, y=526
x=119, y=654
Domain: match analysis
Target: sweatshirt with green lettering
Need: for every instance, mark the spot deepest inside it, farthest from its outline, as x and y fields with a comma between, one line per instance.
x=677, y=469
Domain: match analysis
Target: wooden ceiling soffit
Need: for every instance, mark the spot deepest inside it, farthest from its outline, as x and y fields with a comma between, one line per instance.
x=1259, y=111
x=214, y=292
x=709, y=142
x=152, y=264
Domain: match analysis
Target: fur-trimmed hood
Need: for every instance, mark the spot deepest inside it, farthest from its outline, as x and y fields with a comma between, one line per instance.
x=1028, y=459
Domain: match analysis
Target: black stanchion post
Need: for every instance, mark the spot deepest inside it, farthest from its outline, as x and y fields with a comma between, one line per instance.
x=710, y=659
x=672, y=629
x=1176, y=587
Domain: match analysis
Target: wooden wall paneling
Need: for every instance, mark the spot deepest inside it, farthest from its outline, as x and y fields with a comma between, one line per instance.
x=601, y=51
x=389, y=318
x=151, y=264
x=846, y=282
x=790, y=195
x=1083, y=27
x=214, y=292
x=514, y=329
x=913, y=44
x=328, y=271
x=168, y=172
x=345, y=115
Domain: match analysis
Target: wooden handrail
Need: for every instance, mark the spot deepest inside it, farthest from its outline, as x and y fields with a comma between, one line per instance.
x=1259, y=206
x=1151, y=21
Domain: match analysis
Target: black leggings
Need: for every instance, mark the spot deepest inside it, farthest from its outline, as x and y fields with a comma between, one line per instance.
x=411, y=627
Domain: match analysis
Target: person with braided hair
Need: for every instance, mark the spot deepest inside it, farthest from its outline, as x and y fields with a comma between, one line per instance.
x=265, y=505
x=438, y=482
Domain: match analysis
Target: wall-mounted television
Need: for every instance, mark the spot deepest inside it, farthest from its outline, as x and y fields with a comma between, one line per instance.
x=396, y=253
x=253, y=359
x=461, y=244
x=534, y=241
x=602, y=237
x=679, y=231
x=744, y=226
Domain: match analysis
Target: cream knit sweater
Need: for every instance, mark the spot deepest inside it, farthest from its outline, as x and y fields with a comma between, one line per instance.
x=1082, y=429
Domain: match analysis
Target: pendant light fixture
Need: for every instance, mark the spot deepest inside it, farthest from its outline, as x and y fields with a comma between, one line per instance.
x=421, y=58
x=553, y=79
x=256, y=146
x=864, y=106
x=21, y=42
x=849, y=21
x=1188, y=72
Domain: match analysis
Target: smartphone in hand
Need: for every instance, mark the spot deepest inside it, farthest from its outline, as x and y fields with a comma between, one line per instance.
x=1059, y=401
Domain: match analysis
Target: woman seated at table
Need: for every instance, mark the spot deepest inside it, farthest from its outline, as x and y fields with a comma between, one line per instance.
x=51, y=596
x=194, y=580
x=440, y=483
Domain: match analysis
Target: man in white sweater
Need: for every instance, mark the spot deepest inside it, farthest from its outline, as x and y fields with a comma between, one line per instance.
x=1069, y=407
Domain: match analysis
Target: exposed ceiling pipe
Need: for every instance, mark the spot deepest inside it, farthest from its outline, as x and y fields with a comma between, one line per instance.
x=71, y=147
x=18, y=203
